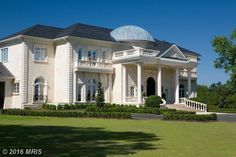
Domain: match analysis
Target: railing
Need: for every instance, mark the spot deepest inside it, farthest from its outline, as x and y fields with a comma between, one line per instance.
x=40, y=98
x=92, y=64
x=184, y=73
x=131, y=99
x=193, y=104
x=163, y=105
x=135, y=52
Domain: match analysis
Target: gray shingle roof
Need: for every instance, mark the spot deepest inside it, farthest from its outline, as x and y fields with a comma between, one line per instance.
x=162, y=46
x=4, y=72
x=84, y=31
x=42, y=31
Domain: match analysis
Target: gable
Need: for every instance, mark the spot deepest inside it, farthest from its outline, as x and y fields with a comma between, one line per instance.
x=174, y=53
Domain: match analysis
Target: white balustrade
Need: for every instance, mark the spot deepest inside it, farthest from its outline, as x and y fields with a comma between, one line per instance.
x=131, y=99
x=92, y=64
x=184, y=73
x=135, y=52
x=193, y=104
x=163, y=104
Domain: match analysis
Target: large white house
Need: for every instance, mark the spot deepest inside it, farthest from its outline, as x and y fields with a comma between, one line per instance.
x=44, y=64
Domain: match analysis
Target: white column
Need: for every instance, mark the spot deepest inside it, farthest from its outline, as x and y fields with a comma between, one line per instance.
x=159, y=81
x=24, y=75
x=177, y=86
x=139, y=82
x=45, y=91
x=74, y=86
x=69, y=71
x=84, y=92
x=189, y=83
x=124, y=83
x=110, y=88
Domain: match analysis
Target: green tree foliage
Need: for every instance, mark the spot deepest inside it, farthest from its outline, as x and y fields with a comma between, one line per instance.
x=100, y=95
x=225, y=47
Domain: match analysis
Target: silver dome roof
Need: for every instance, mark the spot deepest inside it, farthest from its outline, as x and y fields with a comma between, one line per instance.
x=131, y=32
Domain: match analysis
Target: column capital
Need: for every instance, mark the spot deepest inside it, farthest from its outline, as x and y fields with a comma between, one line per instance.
x=139, y=63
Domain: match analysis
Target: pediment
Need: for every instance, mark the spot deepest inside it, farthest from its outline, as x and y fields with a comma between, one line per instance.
x=174, y=53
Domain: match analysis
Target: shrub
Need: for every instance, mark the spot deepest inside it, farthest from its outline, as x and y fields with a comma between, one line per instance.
x=190, y=117
x=49, y=107
x=100, y=96
x=59, y=107
x=51, y=113
x=153, y=101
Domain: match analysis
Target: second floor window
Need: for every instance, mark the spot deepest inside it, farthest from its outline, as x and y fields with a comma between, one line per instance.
x=79, y=54
x=16, y=88
x=40, y=54
x=4, y=55
x=103, y=55
x=92, y=55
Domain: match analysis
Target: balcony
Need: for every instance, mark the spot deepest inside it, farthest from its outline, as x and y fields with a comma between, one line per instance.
x=93, y=66
x=134, y=53
x=184, y=74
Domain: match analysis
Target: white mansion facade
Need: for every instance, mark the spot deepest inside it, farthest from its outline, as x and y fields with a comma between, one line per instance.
x=44, y=64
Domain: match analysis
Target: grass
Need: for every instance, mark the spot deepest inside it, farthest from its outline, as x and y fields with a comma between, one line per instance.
x=77, y=137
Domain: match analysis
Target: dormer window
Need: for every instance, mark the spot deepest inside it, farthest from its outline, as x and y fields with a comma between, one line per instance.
x=40, y=53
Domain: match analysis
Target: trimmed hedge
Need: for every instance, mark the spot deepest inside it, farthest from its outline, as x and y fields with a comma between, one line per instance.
x=49, y=113
x=153, y=101
x=190, y=117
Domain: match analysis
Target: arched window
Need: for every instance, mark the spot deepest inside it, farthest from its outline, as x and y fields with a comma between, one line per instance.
x=91, y=89
x=181, y=91
x=40, y=90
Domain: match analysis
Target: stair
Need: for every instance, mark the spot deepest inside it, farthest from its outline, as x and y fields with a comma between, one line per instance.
x=33, y=106
x=181, y=107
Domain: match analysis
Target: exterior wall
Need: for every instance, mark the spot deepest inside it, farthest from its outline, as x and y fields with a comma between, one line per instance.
x=40, y=69
x=14, y=65
x=60, y=84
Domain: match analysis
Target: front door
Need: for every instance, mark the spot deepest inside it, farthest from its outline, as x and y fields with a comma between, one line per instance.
x=2, y=94
x=151, y=90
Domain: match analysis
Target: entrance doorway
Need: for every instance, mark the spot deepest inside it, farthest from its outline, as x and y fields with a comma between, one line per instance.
x=151, y=87
x=2, y=94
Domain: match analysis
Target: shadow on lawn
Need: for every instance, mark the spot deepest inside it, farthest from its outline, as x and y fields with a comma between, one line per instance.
x=75, y=141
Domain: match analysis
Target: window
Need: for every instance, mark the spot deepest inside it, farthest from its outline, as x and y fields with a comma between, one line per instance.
x=4, y=55
x=79, y=87
x=91, y=89
x=79, y=53
x=40, y=93
x=92, y=55
x=40, y=54
x=16, y=88
x=103, y=55
x=132, y=91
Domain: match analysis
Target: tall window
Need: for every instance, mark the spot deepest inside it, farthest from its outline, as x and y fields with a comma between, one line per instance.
x=79, y=53
x=132, y=89
x=39, y=89
x=16, y=88
x=91, y=89
x=103, y=55
x=4, y=55
x=92, y=55
x=79, y=89
x=40, y=53
x=181, y=91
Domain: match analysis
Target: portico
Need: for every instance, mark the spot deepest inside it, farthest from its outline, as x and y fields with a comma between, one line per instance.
x=140, y=69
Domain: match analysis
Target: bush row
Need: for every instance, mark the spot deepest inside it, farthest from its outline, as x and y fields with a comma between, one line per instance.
x=49, y=113
x=190, y=117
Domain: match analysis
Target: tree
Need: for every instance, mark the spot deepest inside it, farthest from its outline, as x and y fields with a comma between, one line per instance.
x=225, y=47
x=100, y=96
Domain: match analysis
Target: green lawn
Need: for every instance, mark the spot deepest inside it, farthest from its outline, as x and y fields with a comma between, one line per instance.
x=108, y=137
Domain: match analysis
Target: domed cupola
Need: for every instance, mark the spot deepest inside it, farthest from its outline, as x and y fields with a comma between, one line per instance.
x=131, y=33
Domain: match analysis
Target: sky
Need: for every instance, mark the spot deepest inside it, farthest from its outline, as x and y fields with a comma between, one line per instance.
x=188, y=23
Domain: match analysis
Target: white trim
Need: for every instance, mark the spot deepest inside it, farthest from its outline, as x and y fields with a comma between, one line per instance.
x=181, y=53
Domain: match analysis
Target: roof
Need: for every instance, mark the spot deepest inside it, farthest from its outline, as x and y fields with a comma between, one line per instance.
x=4, y=72
x=162, y=46
x=85, y=31
x=42, y=31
